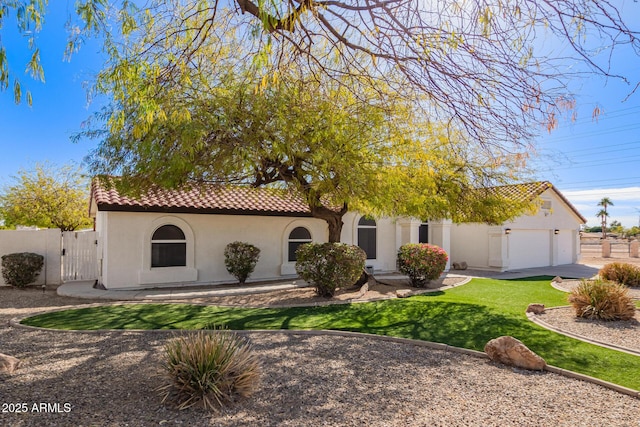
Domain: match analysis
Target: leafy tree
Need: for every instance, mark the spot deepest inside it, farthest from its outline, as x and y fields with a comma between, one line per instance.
x=479, y=62
x=603, y=214
x=373, y=153
x=47, y=197
x=633, y=231
x=479, y=65
x=29, y=17
x=617, y=228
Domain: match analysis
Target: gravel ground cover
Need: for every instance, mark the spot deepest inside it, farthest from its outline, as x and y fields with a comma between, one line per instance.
x=108, y=379
x=625, y=334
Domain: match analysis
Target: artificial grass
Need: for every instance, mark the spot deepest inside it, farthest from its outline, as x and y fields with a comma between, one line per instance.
x=467, y=316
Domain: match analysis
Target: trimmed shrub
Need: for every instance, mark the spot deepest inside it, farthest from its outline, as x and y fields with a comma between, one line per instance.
x=621, y=272
x=240, y=259
x=329, y=266
x=208, y=368
x=21, y=269
x=598, y=299
x=422, y=262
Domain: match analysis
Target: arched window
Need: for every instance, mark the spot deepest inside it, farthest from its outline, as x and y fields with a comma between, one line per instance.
x=168, y=247
x=367, y=236
x=298, y=236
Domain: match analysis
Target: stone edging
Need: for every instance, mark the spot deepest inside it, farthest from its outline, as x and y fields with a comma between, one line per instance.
x=15, y=322
x=532, y=317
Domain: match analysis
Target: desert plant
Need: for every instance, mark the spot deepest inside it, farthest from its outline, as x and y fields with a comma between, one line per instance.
x=599, y=299
x=21, y=269
x=329, y=266
x=422, y=262
x=211, y=368
x=240, y=259
x=621, y=272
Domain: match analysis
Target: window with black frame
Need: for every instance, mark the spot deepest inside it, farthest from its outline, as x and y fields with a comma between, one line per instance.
x=367, y=236
x=298, y=236
x=168, y=247
x=423, y=233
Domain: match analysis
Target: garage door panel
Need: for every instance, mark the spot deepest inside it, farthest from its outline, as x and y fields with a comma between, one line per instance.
x=528, y=249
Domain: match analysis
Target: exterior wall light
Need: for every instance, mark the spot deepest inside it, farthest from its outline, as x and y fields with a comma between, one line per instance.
x=507, y=231
x=556, y=231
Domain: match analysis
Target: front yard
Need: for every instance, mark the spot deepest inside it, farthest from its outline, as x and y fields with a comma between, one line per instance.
x=467, y=316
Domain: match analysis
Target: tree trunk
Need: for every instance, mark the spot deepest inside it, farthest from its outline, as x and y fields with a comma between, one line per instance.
x=332, y=218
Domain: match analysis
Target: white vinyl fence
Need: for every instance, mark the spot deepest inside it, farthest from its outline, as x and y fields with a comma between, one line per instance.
x=67, y=256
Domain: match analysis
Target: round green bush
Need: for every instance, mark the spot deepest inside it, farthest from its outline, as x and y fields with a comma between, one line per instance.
x=208, y=368
x=422, y=262
x=329, y=266
x=240, y=259
x=21, y=269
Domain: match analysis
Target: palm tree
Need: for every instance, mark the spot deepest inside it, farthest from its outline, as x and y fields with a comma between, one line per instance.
x=603, y=214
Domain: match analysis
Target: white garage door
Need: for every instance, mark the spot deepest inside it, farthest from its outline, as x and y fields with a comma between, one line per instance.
x=529, y=248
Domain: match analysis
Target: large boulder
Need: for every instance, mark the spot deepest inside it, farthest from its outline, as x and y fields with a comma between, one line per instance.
x=513, y=352
x=8, y=363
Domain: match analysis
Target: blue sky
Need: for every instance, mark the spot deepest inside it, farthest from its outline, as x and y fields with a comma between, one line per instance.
x=585, y=159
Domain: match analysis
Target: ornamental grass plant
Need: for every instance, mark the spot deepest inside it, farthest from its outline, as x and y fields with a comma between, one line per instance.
x=621, y=272
x=208, y=368
x=599, y=299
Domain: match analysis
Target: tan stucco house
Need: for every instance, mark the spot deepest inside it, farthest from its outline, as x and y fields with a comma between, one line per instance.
x=170, y=238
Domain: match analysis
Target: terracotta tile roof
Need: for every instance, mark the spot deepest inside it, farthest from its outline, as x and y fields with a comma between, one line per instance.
x=204, y=199
x=524, y=192
x=256, y=201
x=531, y=190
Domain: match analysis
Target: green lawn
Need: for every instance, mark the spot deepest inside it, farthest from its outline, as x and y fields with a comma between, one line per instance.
x=467, y=316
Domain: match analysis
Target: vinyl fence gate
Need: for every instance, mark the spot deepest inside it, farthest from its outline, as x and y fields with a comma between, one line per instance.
x=79, y=255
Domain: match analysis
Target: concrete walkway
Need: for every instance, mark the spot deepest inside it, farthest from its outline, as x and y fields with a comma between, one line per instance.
x=85, y=290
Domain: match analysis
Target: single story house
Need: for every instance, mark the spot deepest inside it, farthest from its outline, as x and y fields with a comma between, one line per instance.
x=169, y=238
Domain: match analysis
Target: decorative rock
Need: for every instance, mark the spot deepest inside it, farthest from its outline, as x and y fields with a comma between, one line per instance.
x=8, y=363
x=535, y=308
x=459, y=265
x=513, y=352
x=403, y=293
x=363, y=290
x=556, y=279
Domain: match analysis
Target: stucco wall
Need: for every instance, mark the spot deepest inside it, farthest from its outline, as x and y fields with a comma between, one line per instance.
x=387, y=235
x=532, y=241
x=42, y=242
x=125, y=245
x=470, y=243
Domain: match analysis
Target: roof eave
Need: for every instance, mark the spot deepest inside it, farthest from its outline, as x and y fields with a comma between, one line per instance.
x=105, y=207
